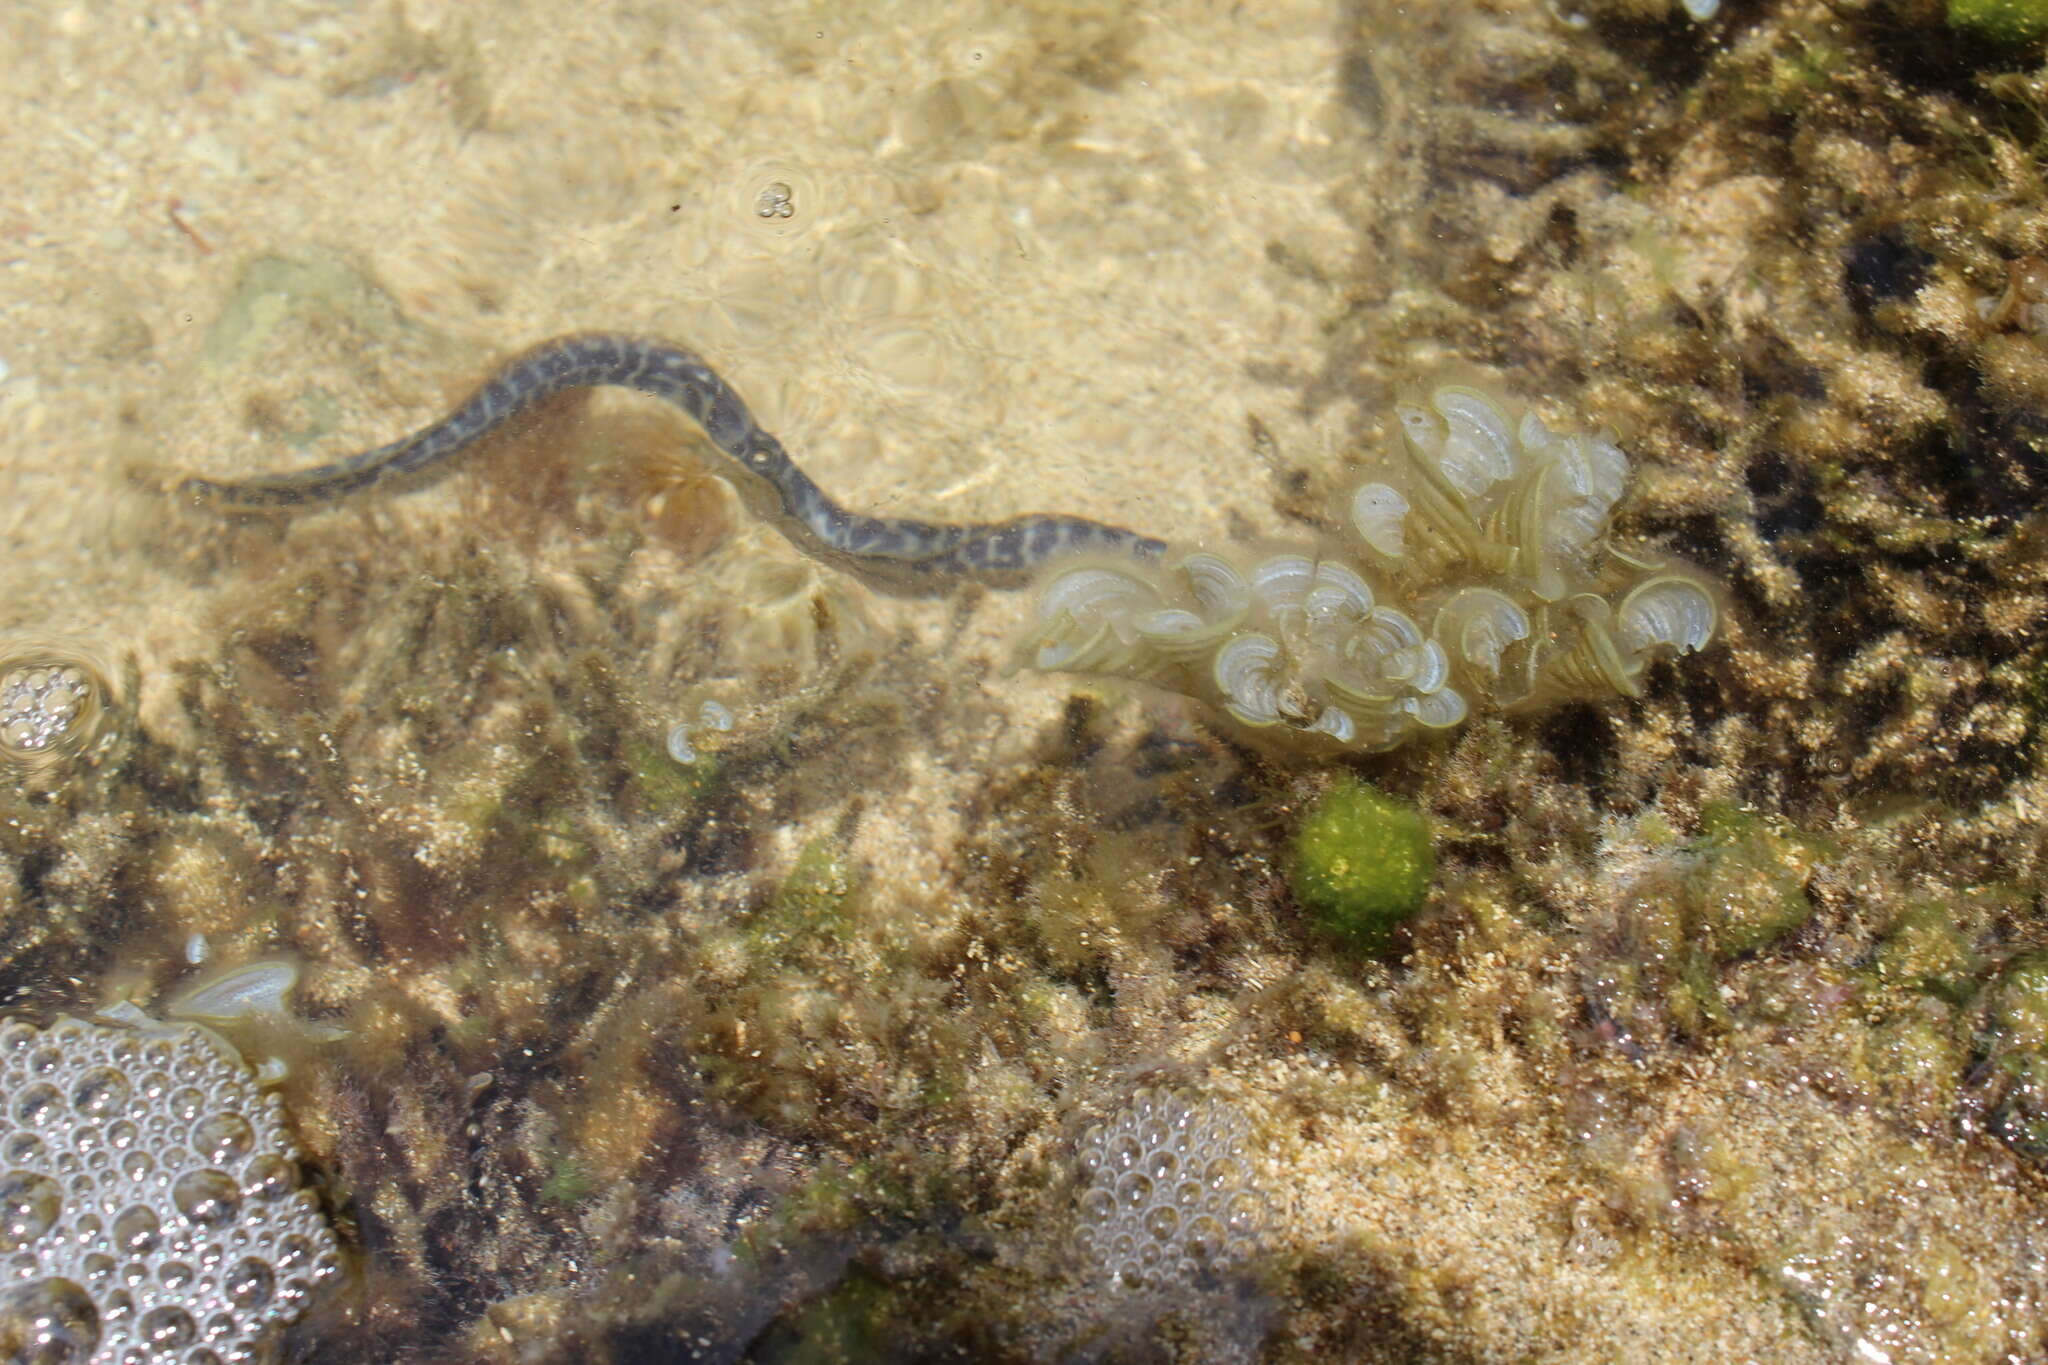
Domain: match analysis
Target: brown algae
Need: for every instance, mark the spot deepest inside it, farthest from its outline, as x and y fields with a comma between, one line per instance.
x=1709, y=1028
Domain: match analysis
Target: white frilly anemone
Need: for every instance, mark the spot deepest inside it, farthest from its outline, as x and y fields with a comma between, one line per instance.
x=1481, y=574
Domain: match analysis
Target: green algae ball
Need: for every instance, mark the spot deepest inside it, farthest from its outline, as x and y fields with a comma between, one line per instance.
x=1747, y=886
x=2003, y=21
x=1362, y=863
x=2021, y=1009
x=1924, y=952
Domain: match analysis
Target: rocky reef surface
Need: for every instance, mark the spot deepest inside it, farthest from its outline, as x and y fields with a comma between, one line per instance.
x=917, y=1011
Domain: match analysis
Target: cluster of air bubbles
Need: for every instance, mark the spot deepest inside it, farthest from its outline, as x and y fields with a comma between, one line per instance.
x=1168, y=1193
x=150, y=1206
x=778, y=203
x=1481, y=573
x=40, y=705
x=53, y=704
x=712, y=715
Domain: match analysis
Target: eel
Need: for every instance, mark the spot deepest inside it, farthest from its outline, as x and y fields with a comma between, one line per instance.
x=899, y=554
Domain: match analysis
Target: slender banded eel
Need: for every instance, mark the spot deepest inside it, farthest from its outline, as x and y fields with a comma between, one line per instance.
x=895, y=553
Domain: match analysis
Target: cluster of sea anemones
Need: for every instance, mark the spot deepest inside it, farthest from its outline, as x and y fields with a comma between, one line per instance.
x=1484, y=575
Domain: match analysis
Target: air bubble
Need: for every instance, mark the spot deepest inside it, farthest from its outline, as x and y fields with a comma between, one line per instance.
x=777, y=203
x=168, y=1328
x=251, y=1284
x=222, y=1138
x=209, y=1198
x=23, y=1149
x=269, y=1177
x=49, y=1322
x=1124, y=1153
x=1162, y=1222
x=29, y=1206
x=137, y=1230
x=100, y=1093
x=36, y=1105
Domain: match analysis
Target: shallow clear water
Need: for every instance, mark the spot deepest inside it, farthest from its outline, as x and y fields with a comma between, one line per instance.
x=704, y=956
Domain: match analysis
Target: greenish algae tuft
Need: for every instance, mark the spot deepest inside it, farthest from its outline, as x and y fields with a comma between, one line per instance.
x=1362, y=863
x=1748, y=888
x=663, y=784
x=1924, y=952
x=568, y=1182
x=2019, y=1037
x=2003, y=21
x=2020, y=1008
x=812, y=904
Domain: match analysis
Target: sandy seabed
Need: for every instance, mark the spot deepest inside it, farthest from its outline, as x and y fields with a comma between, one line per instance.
x=608, y=1090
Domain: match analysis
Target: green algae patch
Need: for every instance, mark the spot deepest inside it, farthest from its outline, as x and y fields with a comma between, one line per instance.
x=1916, y=1060
x=2002, y=21
x=1747, y=888
x=2020, y=1010
x=1362, y=863
x=273, y=288
x=813, y=905
x=818, y=886
x=663, y=784
x=568, y=1182
x=854, y=1321
x=1925, y=952
x=2018, y=1052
